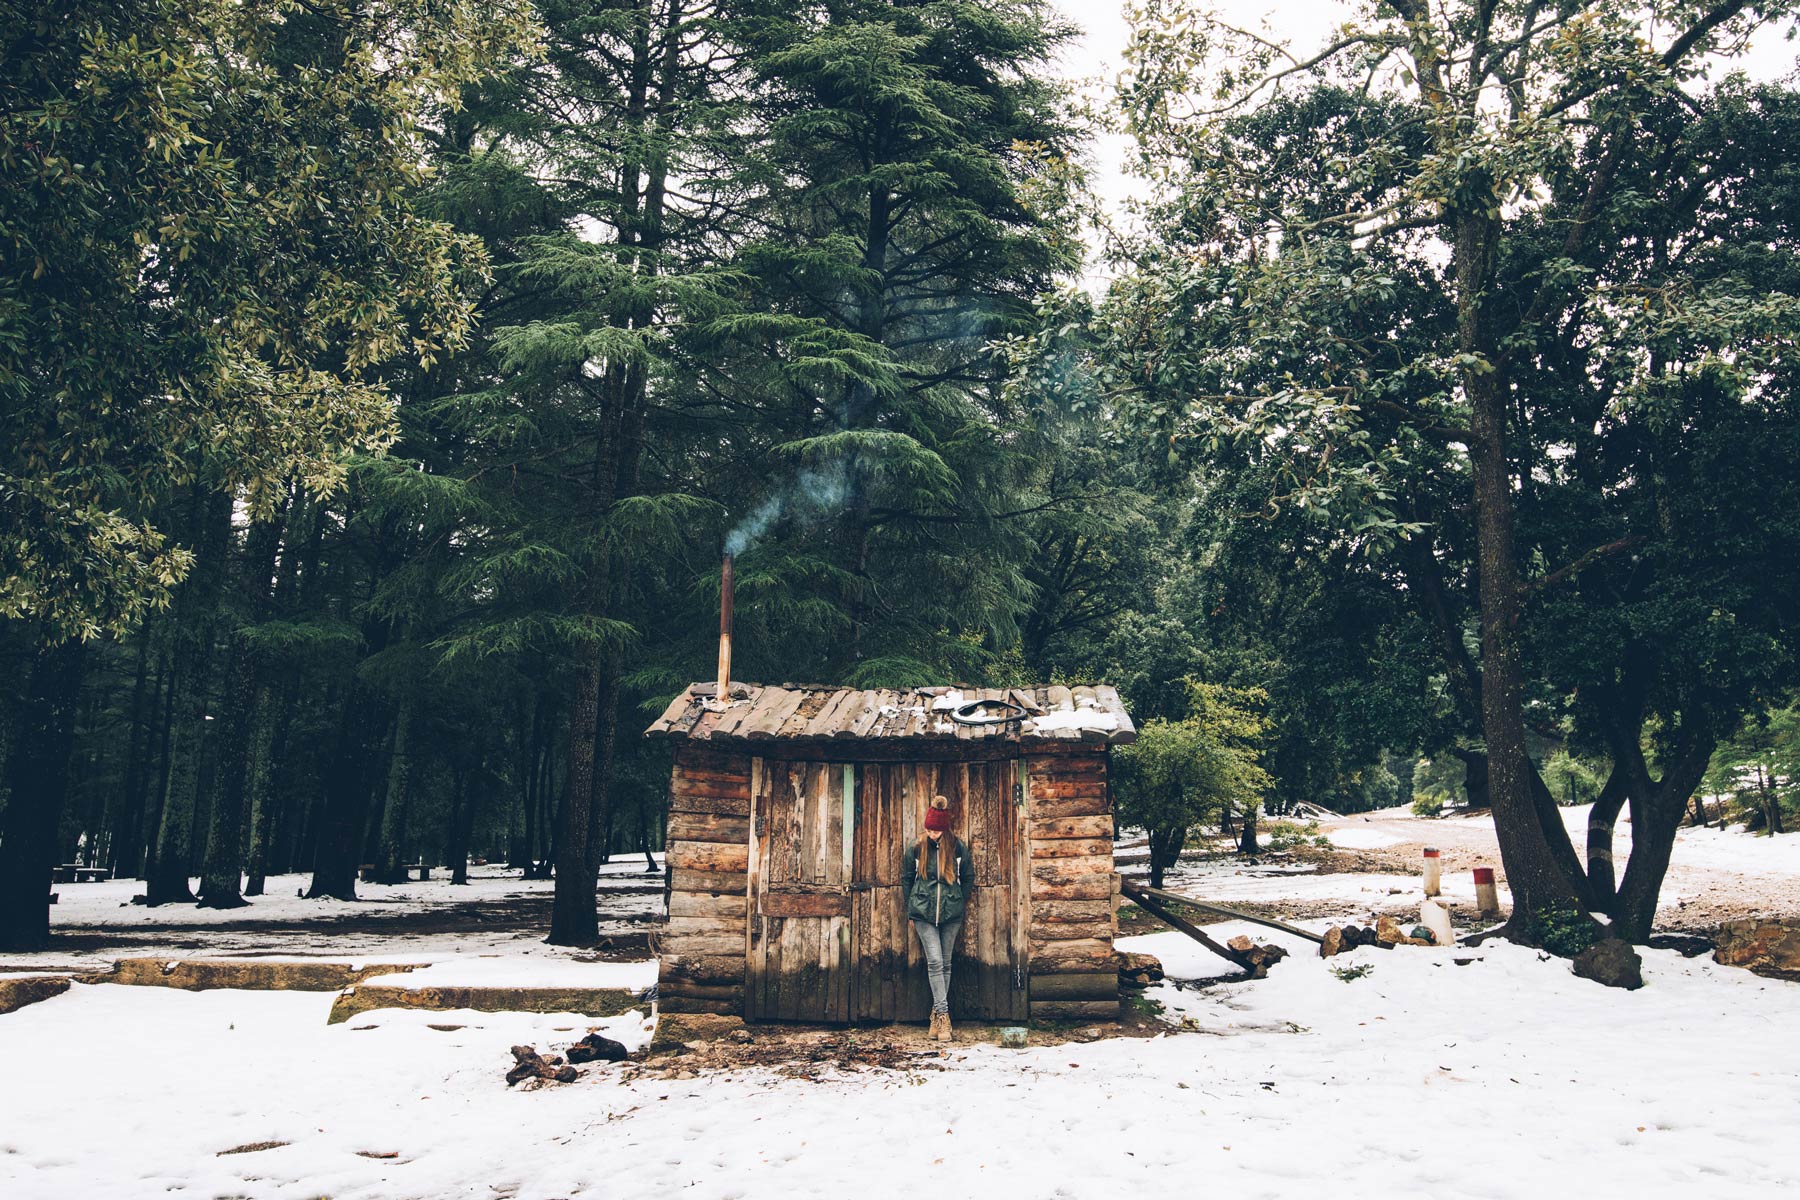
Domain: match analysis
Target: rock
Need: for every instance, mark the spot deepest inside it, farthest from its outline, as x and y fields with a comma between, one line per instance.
x=1138, y=970
x=1421, y=936
x=1767, y=947
x=675, y=1030
x=1257, y=959
x=597, y=1048
x=1611, y=962
x=528, y=1064
x=1333, y=943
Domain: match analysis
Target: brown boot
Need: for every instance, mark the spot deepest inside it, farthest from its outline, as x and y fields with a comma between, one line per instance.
x=948, y=1035
x=936, y=1032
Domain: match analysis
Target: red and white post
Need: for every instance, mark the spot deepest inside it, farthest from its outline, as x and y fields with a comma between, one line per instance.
x=1433, y=872
x=1487, y=899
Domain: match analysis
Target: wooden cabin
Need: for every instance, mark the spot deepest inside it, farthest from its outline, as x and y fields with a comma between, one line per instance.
x=791, y=807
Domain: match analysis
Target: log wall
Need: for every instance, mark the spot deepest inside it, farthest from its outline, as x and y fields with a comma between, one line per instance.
x=1073, y=914
x=1069, y=895
x=702, y=948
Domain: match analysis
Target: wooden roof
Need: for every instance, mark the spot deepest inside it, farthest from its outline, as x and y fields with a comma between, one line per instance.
x=1059, y=715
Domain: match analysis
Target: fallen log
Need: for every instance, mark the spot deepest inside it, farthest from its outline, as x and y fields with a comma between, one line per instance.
x=1132, y=887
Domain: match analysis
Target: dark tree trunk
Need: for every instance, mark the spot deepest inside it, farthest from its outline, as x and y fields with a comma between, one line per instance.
x=195, y=628
x=38, y=745
x=574, y=919
x=225, y=838
x=340, y=827
x=462, y=820
x=1771, y=803
x=390, y=858
x=605, y=754
x=128, y=846
x=1247, y=838
x=267, y=740
x=1165, y=851
x=1539, y=884
x=1657, y=809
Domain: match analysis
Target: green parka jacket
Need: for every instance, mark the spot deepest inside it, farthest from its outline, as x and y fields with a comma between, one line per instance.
x=929, y=897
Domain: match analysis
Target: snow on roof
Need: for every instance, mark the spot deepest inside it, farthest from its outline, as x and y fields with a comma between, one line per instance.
x=800, y=711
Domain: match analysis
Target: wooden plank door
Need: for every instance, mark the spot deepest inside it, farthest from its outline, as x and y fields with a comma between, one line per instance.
x=798, y=943
x=988, y=976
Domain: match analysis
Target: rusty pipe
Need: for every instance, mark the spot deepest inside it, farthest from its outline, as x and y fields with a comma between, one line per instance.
x=723, y=695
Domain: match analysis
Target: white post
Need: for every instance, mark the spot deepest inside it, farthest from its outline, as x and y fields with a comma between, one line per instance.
x=1435, y=917
x=1487, y=899
x=1433, y=868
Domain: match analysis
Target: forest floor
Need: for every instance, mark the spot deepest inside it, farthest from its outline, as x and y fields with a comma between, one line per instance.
x=1418, y=1071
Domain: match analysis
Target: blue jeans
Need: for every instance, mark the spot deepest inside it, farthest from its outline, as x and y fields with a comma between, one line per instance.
x=939, y=941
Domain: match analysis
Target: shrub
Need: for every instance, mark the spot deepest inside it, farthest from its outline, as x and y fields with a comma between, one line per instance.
x=1427, y=804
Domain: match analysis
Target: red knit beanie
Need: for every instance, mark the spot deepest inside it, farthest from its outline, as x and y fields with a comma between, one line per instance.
x=937, y=818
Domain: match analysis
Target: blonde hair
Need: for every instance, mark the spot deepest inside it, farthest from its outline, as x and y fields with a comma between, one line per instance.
x=940, y=802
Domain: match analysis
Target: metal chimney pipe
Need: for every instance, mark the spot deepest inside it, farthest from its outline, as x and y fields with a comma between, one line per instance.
x=723, y=695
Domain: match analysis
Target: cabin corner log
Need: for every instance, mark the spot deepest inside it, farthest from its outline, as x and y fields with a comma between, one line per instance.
x=1075, y=1010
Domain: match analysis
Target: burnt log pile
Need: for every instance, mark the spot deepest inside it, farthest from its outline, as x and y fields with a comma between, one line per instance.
x=542, y=1069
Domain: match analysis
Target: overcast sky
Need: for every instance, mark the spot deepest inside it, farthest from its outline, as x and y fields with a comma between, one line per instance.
x=1303, y=24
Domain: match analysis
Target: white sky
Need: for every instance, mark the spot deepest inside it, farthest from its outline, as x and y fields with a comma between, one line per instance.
x=1099, y=55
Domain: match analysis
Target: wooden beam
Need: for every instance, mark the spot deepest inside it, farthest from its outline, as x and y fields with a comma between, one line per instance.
x=1132, y=888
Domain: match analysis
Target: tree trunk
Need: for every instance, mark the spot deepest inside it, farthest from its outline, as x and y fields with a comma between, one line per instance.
x=128, y=846
x=195, y=627
x=1657, y=809
x=38, y=745
x=225, y=838
x=605, y=756
x=574, y=918
x=340, y=831
x=1165, y=851
x=264, y=801
x=390, y=860
x=1247, y=838
x=462, y=820
x=1538, y=885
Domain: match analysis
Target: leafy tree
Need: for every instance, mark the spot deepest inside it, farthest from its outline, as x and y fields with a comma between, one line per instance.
x=1204, y=766
x=904, y=226
x=1759, y=768
x=1509, y=341
x=209, y=250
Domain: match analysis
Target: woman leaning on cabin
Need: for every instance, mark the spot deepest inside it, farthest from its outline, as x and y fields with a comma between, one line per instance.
x=936, y=881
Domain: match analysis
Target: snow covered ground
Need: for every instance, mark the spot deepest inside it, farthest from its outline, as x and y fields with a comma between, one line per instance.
x=1490, y=1072
x=1504, y=1077
x=496, y=912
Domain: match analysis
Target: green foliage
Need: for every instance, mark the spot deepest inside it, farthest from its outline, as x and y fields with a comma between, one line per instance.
x=1428, y=804
x=1350, y=974
x=1572, y=240
x=1756, y=772
x=1286, y=835
x=1180, y=773
x=1561, y=930
x=211, y=253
